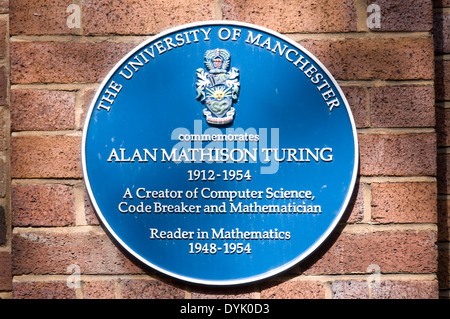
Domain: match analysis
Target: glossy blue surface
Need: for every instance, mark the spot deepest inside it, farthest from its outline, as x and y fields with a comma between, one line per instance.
x=277, y=101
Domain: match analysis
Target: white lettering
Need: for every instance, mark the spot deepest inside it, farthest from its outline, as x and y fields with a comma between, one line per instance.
x=227, y=34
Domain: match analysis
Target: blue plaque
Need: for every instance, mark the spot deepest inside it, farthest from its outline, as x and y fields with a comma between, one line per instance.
x=220, y=153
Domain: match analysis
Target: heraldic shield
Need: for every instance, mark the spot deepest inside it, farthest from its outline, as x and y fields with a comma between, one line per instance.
x=218, y=87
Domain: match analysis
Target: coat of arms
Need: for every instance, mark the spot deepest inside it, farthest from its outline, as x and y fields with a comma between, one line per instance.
x=218, y=87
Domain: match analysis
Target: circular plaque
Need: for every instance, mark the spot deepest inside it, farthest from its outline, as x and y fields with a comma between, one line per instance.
x=219, y=153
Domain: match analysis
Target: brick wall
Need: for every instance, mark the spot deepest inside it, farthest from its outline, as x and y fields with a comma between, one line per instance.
x=5, y=225
x=442, y=85
x=386, y=246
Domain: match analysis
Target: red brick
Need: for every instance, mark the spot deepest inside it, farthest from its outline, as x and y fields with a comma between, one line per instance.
x=64, y=62
x=46, y=157
x=294, y=15
x=86, y=100
x=3, y=227
x=99, y=289
x=39, y=17
x=441, y=3
x=4, y=131
x=356, y=206
x=404, y=203
x=4, y=6
x=400, y=15
x=350, y=289
x=5, y=271
x=442, y=81
x=42, y=205
x=414, y=289
x=443, y=126
x=393, y=251
x=42, y=110
x=150, y=289
x=293, y=290
x=444, y=220
x=356, y=97
x=396, y=155
x=375, y=58
x=142, y=17
x=43, y=290
x=402, y=106
x=89, y=211
x=442, y=32
x=3, y=85
x=3, y=177
x=3, y=38
x=443, y=176
x=444, y=267
x=52, y=253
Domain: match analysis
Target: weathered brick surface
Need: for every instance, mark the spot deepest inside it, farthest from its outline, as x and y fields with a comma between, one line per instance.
x=43, y=290
x=441, y=3
x=412, y=289
x=142, y=17
x=444, y=220
x=403, y=154
x=4, y=6
x=3, y=178
x=444, y=266
x=356, y=97
x=3, y=85
x=89, y=211
x=5, y=241
x=350, y=289
x=443, y=126
x=377, y=58
x=5, y=271
x=404, y=202
x=442, y=32
x=4, y=130
x=402, y=106
x=42, y=205
x=64, y=62
x=52, y=253
x=150, y=289
x=86, y=101
x=369, y=62
x=443, y=177
x=400, y=15
x=294, y=15
x=3, y=42
x=39, y=17
x=393, y=251
x=293, y=290
x=442, y=82
x=46, y=157
x=3, y=226
x=355, y=209
x=34, y=110
x=99, y=289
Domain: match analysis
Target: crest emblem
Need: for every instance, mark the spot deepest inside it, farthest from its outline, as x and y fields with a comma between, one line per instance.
x=218, y=87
